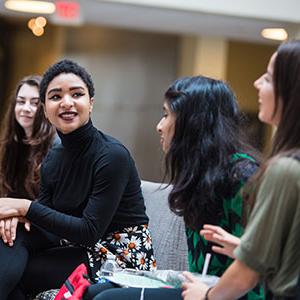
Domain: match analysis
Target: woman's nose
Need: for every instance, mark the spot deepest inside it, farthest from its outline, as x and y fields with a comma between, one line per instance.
x=158, y=126
x=67, y=101
x=27, y=106
x=257, y=83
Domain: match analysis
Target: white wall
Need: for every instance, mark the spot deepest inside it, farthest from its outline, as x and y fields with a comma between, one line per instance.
x=287, y=10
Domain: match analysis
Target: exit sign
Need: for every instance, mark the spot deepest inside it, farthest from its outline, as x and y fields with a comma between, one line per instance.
x=67, y=12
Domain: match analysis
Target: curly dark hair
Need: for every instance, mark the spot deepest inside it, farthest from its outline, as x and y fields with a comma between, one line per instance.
x=207, y=134
x=65, y=66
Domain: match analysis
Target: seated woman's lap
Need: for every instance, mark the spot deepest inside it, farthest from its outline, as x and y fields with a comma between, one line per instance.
x=35, y=263
x=50, y=268
x=14, y=259
x=96, y=289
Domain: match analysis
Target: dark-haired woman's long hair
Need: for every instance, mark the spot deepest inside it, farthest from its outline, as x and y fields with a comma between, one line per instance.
x=21, y=156
x=207, y=134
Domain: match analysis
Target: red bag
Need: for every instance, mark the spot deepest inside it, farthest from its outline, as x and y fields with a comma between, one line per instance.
x=74, y=287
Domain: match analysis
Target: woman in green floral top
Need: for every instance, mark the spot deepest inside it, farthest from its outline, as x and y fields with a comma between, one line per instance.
x=207, y=162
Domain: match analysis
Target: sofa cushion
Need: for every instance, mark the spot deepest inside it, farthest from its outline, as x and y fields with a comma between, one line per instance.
x=167, y=229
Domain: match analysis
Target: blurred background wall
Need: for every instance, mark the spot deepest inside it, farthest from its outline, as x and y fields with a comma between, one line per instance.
x=132, y=63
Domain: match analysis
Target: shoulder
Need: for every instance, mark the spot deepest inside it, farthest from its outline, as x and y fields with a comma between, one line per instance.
x=243, y=166
x=284, y=168
x=53, y=152
x=280, y=181
x=113, y=149
x=55, y=141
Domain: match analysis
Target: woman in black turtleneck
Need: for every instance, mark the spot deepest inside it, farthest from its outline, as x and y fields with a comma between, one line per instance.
x=90, y=200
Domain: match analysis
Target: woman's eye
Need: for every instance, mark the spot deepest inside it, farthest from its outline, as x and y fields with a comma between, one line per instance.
x=54, y=97
x=35, y=103
x=267, y=78
x=20, y=102
x=77, y=95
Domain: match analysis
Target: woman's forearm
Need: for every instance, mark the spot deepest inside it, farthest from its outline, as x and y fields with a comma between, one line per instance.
x=12, y=207
x=235, y=282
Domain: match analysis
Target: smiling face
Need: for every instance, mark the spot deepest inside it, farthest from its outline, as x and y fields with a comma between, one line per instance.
x=68, y=104
x=266, y=96
x=27, y=102
x=166, y=128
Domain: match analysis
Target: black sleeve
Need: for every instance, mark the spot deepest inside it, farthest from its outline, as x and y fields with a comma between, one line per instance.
x=45, y=194
x=111, y=176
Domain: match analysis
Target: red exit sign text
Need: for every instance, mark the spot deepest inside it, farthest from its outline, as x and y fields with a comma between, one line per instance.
x=68, y=10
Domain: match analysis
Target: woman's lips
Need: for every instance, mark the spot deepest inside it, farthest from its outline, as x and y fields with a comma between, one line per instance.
x=68, y=115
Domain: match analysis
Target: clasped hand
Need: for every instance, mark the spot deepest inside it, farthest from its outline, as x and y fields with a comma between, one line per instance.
x=8, y=229
x=11, y=213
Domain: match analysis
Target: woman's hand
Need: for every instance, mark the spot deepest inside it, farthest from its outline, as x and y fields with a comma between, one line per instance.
x=193, y=289
x=221, y=237
x=13, y=207
x=8, y=229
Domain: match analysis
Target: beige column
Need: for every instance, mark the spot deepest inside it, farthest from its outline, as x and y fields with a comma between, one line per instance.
x=294, y=33
x=203, y=56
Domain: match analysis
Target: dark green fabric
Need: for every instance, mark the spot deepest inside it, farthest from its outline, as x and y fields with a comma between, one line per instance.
x=231, y=221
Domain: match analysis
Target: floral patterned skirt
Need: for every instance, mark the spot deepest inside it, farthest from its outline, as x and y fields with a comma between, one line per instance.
x=130, y=248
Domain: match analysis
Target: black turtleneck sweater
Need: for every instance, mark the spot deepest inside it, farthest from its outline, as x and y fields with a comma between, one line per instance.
x=89, y=187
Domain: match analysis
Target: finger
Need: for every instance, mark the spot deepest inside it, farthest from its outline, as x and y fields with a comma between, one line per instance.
x=7, y=226
x=209, y=237
x=219, y=238
x=228, y=240
x=27, y=225
x=13, y=228
x=184, y=294
x=189, y=276
x=224, y=251
x=219, y=250
x=210, y=227
x=214, y=228
x=185, y=285
x=206, y=231
x=215, y=239
x=2, y=231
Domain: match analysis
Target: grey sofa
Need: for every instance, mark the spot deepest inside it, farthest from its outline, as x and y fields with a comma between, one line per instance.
x=167, y=229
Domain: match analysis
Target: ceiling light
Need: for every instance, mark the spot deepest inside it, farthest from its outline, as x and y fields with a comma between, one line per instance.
x=40, y=21
x=38, y=31
x=31, y=6
x=31, y=23
x=278, y=34
x=36, y=25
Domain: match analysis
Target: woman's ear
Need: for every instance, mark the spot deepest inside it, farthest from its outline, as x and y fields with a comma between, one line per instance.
x=91, y=104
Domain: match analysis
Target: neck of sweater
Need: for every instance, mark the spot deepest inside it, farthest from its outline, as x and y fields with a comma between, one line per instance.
x=79, y=138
